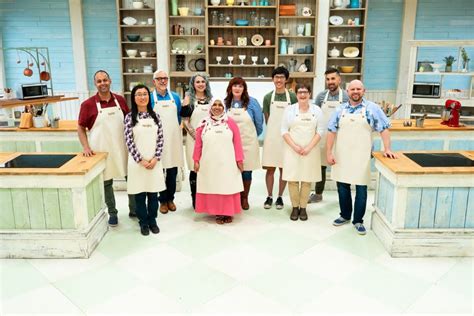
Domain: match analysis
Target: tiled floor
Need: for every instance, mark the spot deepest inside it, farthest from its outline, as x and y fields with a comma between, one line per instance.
x=261, y=263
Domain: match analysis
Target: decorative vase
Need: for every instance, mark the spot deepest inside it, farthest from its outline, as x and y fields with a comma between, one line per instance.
x=448, y=68
x=174, y=7
x=465, y=66
x=215, y=2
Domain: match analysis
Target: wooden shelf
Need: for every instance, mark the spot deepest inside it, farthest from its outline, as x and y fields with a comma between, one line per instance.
x=187, y=36
x=345, y=43
x=138, y=26
x=241, y=66
x=210, y=7
x=344, y=58
x=128, y=42
x=244, y=47
x=137, y=73
x=40, y=101
x=139, y=58
x=295, y=55
x=345, y=26
x=297, y=17
x=297, y=74
x=239, y=27
x=465, y=74
x=348, y=9
x=181, y=73
x=187, y=17
x=350, y=73
x=191, y=54
x=131, y=9
x=296, y=36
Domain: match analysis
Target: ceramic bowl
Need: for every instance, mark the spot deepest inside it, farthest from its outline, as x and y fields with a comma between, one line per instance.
x=148, y=38
x=133, y=37
x=132, y=52
x=285, y=31
x=137, y=4
x=241, y=22
x=346, y=69
x=143, y=54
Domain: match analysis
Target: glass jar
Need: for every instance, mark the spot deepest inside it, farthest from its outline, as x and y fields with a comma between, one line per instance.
x=214, y=18
x=263, y=21
x=221, y=19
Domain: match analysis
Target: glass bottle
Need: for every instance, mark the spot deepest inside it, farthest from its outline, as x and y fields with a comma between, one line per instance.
x=272, y=22
x=221, y=19
x=214, y=19
x=263, y=21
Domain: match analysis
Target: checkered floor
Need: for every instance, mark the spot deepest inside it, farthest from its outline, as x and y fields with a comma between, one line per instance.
x=261, y=263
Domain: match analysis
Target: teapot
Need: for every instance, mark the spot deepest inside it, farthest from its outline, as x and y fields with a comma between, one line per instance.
x=334, y=52
x=306, y=11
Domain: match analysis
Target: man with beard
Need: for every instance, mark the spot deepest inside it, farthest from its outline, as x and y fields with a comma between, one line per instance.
x=103, y=114
x=328, y=101
x=350, y=128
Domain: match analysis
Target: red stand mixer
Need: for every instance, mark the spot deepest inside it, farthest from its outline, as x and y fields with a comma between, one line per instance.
x=451, y=113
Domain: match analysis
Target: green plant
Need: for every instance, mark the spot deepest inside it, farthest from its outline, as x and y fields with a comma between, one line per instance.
x=465, y=57
x=449, y=60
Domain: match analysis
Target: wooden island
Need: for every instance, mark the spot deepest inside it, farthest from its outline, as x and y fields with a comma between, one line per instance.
x=424, y=211
x=52, y=212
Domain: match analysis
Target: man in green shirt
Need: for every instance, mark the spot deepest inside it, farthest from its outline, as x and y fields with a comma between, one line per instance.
x=274, y=103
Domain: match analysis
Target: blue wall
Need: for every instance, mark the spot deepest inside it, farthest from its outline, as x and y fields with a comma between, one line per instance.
x=382, y=47
x=38, y=23
x=46, y=23
x=101, y=40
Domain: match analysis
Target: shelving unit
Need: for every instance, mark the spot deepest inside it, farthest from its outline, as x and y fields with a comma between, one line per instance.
x=142, y=28
x=415, y=106
x=352, y=35
x=189, y=42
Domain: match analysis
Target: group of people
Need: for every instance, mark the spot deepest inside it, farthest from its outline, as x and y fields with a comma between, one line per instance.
x=222, y=148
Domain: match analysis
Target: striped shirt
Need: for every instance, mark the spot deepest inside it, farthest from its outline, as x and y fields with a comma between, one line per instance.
x=128, y=132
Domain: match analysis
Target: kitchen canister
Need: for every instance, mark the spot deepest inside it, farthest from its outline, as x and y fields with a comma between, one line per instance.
x=307, y=29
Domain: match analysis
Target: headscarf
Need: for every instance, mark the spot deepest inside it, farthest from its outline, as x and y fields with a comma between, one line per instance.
x=213, y=120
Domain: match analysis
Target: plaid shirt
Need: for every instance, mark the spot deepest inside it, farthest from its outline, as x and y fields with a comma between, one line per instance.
x=128, y=132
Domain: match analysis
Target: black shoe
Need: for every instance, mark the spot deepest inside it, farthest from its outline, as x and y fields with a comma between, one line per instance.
x=279, y=203
x=132, y=214
x=303, y=214
x=154, y=229
x=145, y=230
x=268, y=203
x=295, y=213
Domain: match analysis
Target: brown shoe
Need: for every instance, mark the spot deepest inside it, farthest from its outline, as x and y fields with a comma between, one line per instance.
x=171, y=206
x=303, y=214
x=164, y=208
x=295, y=213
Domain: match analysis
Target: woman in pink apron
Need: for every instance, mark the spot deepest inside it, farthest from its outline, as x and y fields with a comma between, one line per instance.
x=218, y=161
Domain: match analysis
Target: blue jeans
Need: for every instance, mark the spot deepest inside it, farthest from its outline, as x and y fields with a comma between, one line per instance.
x=247, y=175
x=146, y=213
x=167, y=195
x=345, y=201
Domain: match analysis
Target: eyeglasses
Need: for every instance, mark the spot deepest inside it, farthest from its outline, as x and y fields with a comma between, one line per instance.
x=302, y=92
x=161, y=78
x=280, y=77
x=141, y=95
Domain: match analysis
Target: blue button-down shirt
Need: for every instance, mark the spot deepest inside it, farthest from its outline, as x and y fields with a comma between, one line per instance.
x=255, y=112
x=167, y=96
x=374, y=114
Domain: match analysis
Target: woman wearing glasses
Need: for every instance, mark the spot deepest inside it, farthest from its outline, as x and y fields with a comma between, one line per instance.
x=218, y=161
x=247, y=113
x=301, y=128
x=195, y=108
x=168, y=105
x=144, y=138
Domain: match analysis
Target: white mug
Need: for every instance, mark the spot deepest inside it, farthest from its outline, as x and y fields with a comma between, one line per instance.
x=150, y=21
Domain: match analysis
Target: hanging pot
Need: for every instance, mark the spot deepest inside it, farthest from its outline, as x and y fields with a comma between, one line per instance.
x=44, y=75
x=27, y=71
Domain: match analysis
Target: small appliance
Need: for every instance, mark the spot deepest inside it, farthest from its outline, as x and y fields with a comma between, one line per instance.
x=426, y=90
x=32, y=91
x=451, y=113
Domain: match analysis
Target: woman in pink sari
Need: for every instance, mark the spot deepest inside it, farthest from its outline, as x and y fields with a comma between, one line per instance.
x=218, y=160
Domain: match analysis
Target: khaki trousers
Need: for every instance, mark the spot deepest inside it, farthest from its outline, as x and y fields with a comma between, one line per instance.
x=299, y=194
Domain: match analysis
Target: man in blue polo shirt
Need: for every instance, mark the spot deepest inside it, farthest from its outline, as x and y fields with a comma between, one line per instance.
x=167, y=104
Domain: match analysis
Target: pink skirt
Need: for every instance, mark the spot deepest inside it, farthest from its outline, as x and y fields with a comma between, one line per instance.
x=218, y=204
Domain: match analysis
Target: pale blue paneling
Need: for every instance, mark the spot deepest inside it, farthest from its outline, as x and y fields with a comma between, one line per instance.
x=470, y=210
x=398, y=145
x=461, y=144
x=412, y=215
x=382, y=46
x=459, y=208
x=102, y=40
x=38, y=23
x=382, y=195
x=443, y=207
x=428, y=207
x=389, y=200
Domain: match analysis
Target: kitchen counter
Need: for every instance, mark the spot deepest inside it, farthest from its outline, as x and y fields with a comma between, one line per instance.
x=424, y=211
x=429, y=125
x=45, y=139
x=52, y=212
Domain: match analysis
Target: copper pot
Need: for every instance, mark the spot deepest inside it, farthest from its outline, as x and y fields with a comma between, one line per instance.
x=27, y=71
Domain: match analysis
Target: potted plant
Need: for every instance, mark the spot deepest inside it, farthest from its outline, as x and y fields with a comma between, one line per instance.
x=449, y=60
x=465, y=60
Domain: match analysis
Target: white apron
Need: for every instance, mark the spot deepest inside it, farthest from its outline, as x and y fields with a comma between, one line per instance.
x=353, y=148
x=302, y=168
x=107, y=135
x=273, y=143
x=328, y=108
x=141, y=179
x=248, y=134
x=218, y=171
x=172, y=155
x=200, y=112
